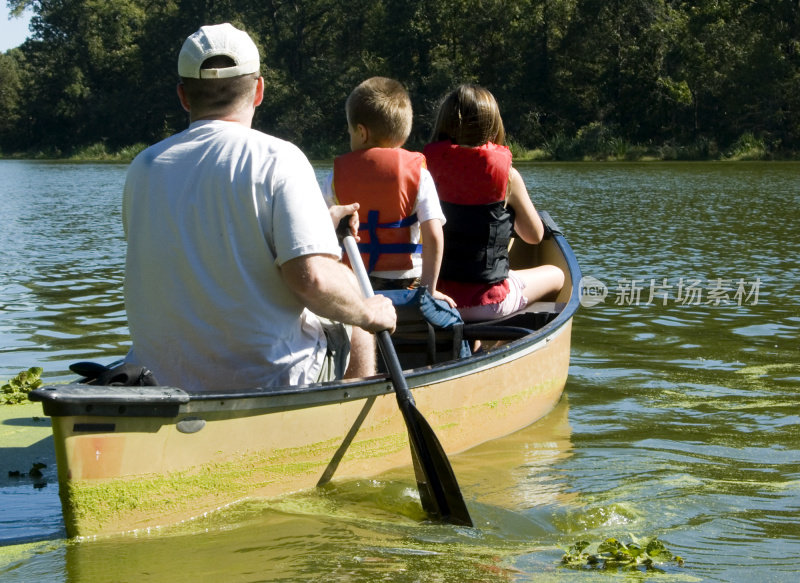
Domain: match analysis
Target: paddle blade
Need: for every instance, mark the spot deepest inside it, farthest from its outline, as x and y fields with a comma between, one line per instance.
x=438, y=488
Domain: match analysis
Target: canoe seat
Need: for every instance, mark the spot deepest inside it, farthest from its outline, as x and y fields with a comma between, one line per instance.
x=428, y=330
x=517, y=325
x=534, y=316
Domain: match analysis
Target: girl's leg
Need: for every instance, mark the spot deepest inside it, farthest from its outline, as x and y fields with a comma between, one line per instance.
x=540, y=282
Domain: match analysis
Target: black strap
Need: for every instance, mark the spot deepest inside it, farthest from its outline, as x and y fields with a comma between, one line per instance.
x=121, y=375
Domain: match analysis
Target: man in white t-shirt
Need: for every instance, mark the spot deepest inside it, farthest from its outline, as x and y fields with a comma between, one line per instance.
x=232, y=254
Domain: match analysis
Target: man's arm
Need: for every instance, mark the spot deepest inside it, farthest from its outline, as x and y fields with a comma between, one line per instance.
x=329, y=289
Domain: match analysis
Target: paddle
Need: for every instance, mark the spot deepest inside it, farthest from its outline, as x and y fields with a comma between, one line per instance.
x=438, y=489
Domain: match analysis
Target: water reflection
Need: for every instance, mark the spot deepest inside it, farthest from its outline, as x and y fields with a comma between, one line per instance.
x=30, y=509
x=63, y=261
x=524, y=466
x=294, y=548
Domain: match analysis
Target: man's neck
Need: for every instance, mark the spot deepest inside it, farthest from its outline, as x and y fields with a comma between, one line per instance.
x=243, y=117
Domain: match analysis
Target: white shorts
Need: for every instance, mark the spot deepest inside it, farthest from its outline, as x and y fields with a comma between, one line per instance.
x=513, y=302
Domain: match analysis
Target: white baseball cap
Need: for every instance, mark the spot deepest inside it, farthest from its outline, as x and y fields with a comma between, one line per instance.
x=214, y=41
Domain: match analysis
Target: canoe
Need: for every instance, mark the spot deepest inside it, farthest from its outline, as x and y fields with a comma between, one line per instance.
x=133, y=458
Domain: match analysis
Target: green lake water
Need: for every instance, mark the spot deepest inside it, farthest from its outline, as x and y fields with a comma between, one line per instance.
x=680, y=420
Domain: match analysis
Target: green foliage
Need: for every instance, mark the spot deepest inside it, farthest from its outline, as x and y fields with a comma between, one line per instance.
x=100, y=152
x=16, y=390
x=748, y=147
x=578, y=79
x=561, y=147
x=10, y=88
x=612, y=554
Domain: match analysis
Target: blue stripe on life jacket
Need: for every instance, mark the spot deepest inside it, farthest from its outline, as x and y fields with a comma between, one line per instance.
x=375, y=248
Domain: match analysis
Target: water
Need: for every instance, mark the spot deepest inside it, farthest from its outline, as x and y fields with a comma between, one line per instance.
x=680, y=418
x=63, y=260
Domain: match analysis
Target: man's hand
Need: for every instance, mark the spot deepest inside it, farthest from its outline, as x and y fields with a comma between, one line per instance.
x=382, y=314
x=340, y=211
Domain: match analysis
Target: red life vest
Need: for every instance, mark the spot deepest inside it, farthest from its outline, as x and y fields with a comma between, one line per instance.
x=472, y=185
x=385, y=182
x=469, y=175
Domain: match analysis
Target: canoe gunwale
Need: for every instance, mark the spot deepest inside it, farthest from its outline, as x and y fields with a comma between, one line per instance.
x=168, y=402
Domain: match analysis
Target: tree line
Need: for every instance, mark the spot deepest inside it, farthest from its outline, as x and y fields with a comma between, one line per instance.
x=606, y=78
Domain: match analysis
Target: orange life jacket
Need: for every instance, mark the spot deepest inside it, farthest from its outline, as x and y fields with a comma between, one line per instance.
x=385, y=182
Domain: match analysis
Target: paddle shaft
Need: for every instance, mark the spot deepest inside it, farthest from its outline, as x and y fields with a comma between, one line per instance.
x=439, y=491
x=384, y=338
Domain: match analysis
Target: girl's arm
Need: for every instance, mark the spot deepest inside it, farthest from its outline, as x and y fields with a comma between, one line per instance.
x=527, y=223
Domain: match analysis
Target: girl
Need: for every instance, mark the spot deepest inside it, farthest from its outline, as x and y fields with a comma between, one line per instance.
x=484, y=200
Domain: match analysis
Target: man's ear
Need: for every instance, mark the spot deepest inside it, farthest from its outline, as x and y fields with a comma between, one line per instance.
x=259, y=92
x=182, y=97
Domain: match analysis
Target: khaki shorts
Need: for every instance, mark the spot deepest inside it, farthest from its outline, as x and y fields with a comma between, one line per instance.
x=338, y=356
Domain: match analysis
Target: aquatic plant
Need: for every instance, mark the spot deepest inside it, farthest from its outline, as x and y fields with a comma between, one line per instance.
x=614, y=554
x=16, y=390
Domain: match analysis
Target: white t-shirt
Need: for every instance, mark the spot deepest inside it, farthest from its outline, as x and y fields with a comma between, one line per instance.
x=210, y=214
x=426, y=206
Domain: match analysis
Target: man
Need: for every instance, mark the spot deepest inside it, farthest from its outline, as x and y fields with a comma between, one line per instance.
x=232, y=252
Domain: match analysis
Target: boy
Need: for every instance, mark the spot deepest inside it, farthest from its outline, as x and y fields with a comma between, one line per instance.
x=399, y=204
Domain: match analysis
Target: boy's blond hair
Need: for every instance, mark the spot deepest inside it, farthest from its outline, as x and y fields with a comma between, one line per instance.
x=381, y=105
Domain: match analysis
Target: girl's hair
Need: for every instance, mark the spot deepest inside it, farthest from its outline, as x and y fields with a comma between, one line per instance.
x=469, y=116
x=383, y=106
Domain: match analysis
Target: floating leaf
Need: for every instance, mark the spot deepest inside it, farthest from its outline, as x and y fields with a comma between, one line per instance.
x=615, y=554
x=16, y=390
